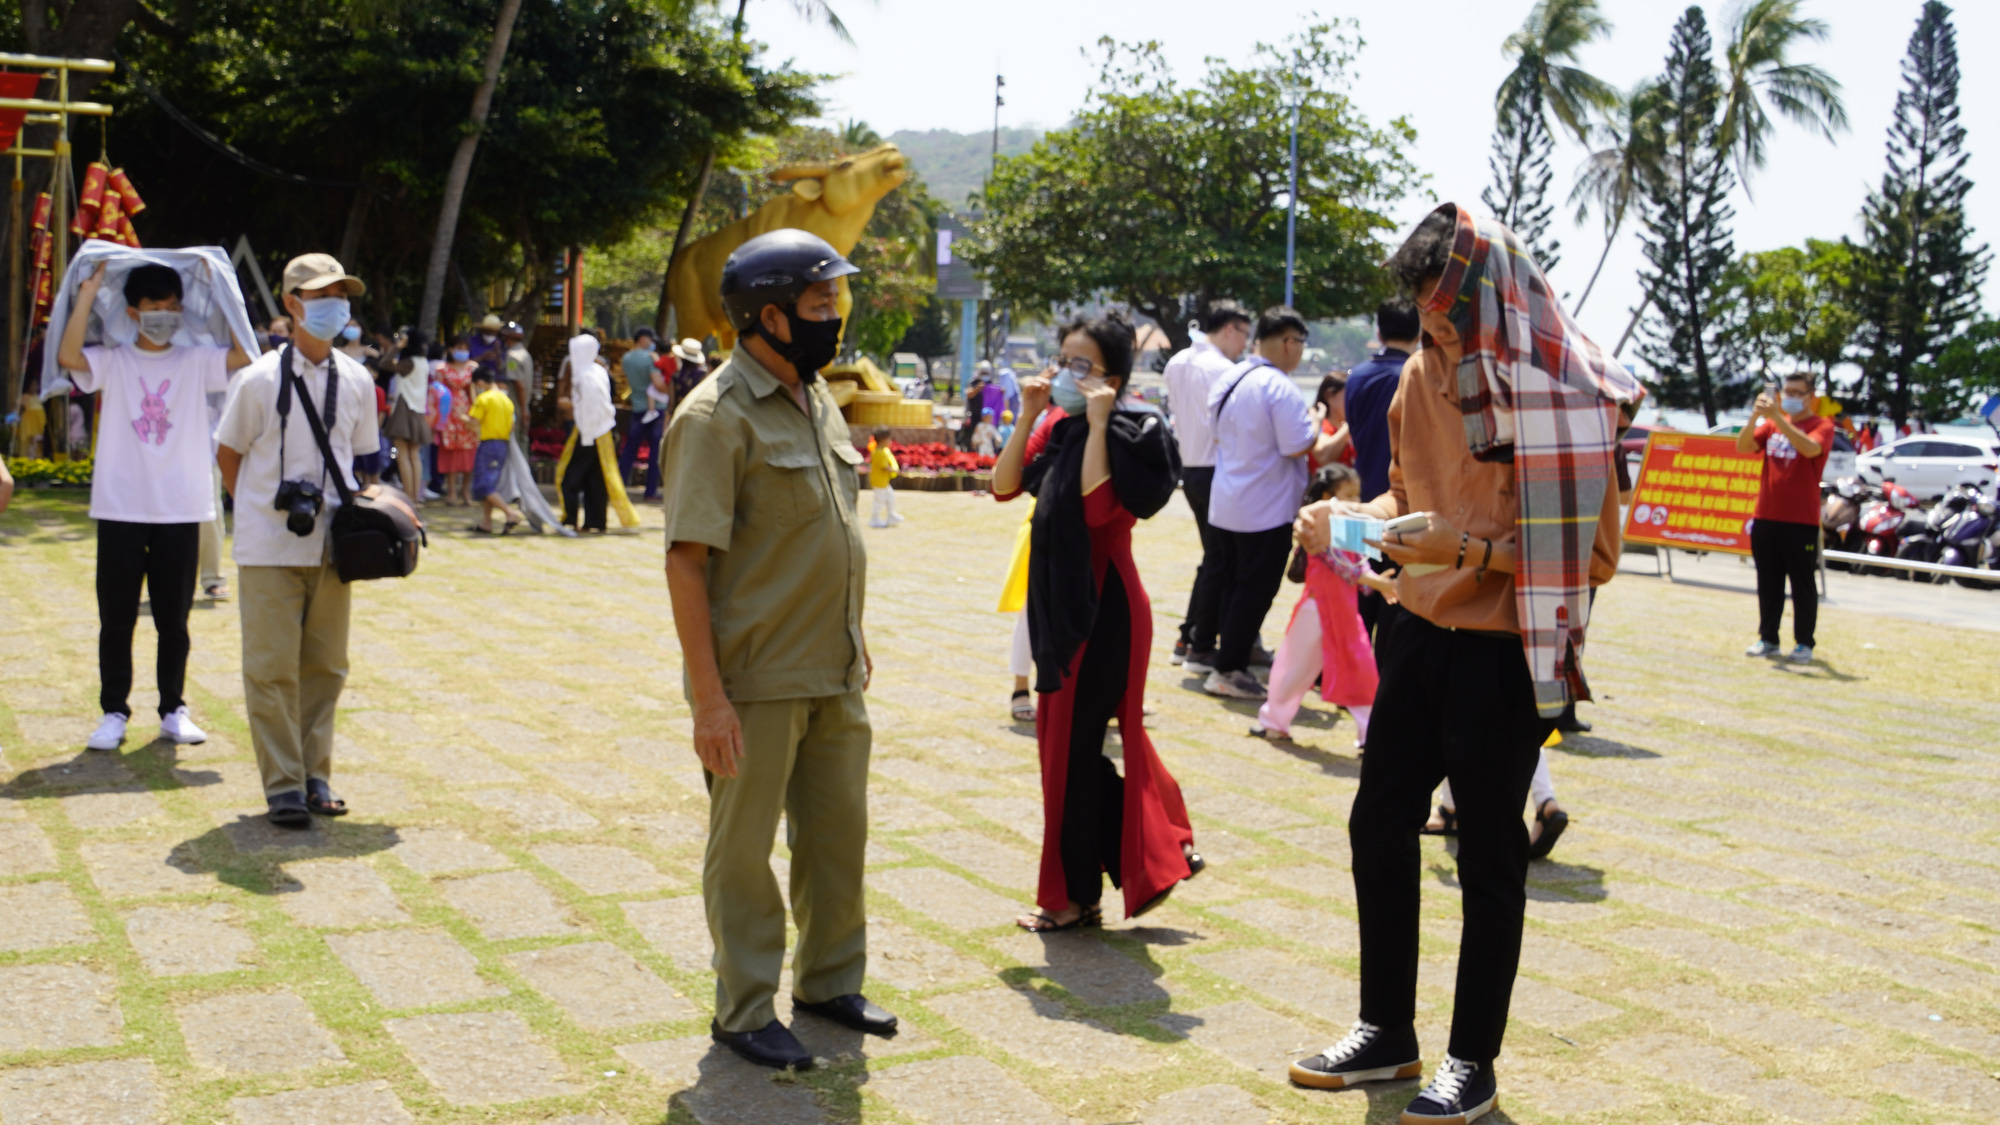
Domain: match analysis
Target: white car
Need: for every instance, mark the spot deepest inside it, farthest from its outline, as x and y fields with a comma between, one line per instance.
x=1929, y=465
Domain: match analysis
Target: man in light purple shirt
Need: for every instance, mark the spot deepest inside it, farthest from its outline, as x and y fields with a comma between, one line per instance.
x=1264, y=438
x=1190, y=376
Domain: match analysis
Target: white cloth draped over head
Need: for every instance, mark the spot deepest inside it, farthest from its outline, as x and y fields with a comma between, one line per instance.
x=589, y=390
x=212, y=308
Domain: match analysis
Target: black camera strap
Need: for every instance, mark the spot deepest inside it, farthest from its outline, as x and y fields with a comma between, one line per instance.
x=288, y=377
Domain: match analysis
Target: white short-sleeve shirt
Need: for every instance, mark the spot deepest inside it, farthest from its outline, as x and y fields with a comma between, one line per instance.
x=153, y=452
x=250, y=426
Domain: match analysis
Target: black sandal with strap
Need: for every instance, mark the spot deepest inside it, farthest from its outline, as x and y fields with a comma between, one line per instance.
x=1089, y=918
x=1552, y=824
x=1449, y=827
x=320, y=800
x=1022, y=707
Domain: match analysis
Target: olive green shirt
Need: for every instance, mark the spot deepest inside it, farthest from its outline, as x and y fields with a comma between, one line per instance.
x=772, y=493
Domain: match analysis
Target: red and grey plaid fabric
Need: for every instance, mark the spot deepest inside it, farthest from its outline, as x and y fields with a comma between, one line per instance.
x=1534, y=388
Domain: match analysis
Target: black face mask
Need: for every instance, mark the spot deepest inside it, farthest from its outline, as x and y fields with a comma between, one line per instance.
x=813, y=345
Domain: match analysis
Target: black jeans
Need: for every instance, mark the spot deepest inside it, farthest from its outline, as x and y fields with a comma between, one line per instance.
x=1253, y=567
x=1786, y=551
x=1093, y=793
x=583, y=493
x=1458, y=705
x=1196, y=482
x=165, y=557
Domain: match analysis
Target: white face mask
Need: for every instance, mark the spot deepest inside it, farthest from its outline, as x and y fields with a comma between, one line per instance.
x=159, y=325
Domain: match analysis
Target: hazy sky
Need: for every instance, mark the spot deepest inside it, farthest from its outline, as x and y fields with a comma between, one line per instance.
x=922, y=64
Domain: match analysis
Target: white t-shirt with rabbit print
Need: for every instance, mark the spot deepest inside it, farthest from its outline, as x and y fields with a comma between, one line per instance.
x=153, y=448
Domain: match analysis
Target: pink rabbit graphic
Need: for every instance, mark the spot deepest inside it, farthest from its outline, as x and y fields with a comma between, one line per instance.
x=152, y=423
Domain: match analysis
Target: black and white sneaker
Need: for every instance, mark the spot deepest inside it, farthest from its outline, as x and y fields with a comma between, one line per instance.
x=1240, y=684
x=1180, y=653
x=1199, y=662
x=1367, y=1054
x=1460, y=1093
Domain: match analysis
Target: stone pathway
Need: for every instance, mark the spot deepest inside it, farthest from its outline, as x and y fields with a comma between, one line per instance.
x=1777, y=900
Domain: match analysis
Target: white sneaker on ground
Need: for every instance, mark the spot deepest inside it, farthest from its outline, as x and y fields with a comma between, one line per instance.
x=110, y=732
x=429, y=495
x=1801, y=655
x=1234, y=685
x=1762, y=648
x=895, y=517
x=175, y=726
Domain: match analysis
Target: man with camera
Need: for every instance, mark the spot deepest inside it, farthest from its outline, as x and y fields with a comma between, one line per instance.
x=294, y=605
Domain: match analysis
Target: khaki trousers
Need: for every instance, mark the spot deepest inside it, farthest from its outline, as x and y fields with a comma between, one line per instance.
x=807, y=759
x=294, y=665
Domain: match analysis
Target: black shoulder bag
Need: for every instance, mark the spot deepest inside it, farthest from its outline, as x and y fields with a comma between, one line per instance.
x=373, y=536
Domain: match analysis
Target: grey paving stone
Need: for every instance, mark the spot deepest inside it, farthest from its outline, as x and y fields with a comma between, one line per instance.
x=1245, y=1034
x=1716, y=954
x=829, y=1040
x=670, y=831
x=945, y=897
x=1042, y=1031
x=926, y=776
x=412, y=969
x=601, y=869
x=443, y=851
x=1843, y=910
x=41, y=916
x=1316, y=880
x=117, y=807
x=507, y=905
x=1694, y=1063
x=90, y=768
x=1554, y=957
x=1086, y=966
x=1713, y=909
x=117, y=1092
x=144, y=868
x=600, y=985
x=1022, y=815
x=250, y=832
x=1926, y=1080
x=255, y=1033
x=55, y=1007
x=677, y=927
x=1333, y=997
x=373, y=794
x=226, y=781
x=592, y=779
x=338, y=894
x=1301, y=924
x=1240, y=811
x=1205, y=1105
x=1574, y=1095
x=962, y=1091
x=25, y=850
x=1774, y=1027
x=512, y=738
x=461, y=765
x=1553, y=1007
x=189, y=940
x=1916, y=1019
x=534, y=811
x=722, y=1089
x=912, y=962
x=983, y=856
x=893, y=812
x=482, y=1058
x=363, y=1103
x=1913, y=969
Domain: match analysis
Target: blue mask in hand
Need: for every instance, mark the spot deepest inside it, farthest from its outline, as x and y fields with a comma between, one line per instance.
x=1064, y=393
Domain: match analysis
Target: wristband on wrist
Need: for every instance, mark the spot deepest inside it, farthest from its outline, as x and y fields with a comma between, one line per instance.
x=1479, y=575
x=1464, y=537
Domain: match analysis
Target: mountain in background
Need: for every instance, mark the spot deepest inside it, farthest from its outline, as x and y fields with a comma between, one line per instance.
x=954, y=165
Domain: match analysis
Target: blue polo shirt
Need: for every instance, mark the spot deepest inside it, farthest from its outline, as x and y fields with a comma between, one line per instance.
x=1370, y=386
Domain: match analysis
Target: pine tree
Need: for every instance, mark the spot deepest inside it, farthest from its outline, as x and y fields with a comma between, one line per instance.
x=1920, y=270
x=1520, y=163
x=1687, y=237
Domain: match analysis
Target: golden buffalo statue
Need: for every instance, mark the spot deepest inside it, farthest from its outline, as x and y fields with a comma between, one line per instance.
x=834, y=201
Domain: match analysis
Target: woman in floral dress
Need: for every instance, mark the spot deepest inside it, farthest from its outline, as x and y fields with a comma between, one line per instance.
x=460, y=437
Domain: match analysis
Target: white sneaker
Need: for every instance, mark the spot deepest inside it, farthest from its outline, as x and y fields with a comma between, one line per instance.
x=877, y=523
x=175, y=726
x=1762, y=648
x=1234, y=685
x=110, y=733
x=1801, y=655
x=895, y=517
x=429, y=495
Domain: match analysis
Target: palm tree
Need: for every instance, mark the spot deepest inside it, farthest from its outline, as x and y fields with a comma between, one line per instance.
x=1759, y=68
x=1611, y=176
x=812, y=11
x=1543, y=77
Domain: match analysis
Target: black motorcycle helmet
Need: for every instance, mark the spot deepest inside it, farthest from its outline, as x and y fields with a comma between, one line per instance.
x=775, y=269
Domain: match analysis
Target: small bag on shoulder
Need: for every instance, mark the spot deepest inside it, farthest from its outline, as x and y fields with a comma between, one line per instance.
x=373, y=536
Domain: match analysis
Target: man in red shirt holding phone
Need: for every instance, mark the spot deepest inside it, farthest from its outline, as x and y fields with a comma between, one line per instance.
x=1784, y=537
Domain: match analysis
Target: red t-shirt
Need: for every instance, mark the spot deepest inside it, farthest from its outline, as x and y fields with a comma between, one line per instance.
x=1790, y=490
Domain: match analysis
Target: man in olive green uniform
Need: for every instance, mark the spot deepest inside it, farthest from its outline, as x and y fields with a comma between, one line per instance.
x=767, y=572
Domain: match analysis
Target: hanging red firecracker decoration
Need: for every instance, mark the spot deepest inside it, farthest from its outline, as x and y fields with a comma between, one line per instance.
x=130, y=194
x=42, y=249
x=42, y=206
x=110, y=217
x=89, y=198
x=127, y=235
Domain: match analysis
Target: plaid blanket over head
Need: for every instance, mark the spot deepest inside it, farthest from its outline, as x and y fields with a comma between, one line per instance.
x=1534, y=388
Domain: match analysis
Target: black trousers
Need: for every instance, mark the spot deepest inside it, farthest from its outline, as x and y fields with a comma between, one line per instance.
x=1786, y=551
x=1252, y=567
x=583, y=489
x=164, y=557
x=1196, y=482
x=1458, y=705
x=1093, y=793
x=1373, y=607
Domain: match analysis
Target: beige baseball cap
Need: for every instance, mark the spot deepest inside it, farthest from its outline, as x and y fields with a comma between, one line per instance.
x=317, y=271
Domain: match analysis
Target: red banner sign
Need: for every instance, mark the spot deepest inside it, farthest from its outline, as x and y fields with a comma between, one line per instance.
x=1694, y=492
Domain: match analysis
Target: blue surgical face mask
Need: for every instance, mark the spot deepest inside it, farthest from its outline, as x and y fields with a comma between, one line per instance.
x=350, y=333
x=325, y=317
x=1792, y=405
x=460, y=355
x=1064, y=393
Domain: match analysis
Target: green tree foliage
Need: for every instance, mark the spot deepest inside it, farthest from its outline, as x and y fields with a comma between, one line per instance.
x=1544, y=81
x=1164, y=196
x=1965, y=371
x=1687, y=231
x=1920, y=270
x=603, y=112
x=1760, y=68
x=1518, y=195
x=1794, y=306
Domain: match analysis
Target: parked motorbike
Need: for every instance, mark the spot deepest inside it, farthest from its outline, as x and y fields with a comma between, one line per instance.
x=1840, y=514
x=1927, y=543
x=1882, y=521
x=1968, y=540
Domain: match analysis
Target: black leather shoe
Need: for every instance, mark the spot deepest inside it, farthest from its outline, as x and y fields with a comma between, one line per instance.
x=772, y=1045
x=852, y=1010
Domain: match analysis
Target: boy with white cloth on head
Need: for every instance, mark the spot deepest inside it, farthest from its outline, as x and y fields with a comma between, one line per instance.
x=152, y=487
x=587, y=473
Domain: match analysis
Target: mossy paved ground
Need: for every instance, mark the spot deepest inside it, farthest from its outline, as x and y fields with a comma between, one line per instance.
x=1777, y=900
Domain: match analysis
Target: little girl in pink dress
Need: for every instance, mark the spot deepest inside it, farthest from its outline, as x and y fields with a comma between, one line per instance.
x=1326, y=638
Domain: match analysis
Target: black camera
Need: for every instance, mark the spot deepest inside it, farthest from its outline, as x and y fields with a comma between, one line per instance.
x=301, y=501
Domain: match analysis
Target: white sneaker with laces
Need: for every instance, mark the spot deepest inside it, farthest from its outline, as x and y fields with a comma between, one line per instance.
x=110, y=732
x=175, y=726
x=1460, y=1093
x=1762, y=648
x=1801, y=655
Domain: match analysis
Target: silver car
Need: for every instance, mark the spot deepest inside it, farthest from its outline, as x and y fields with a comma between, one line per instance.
x=1929, y=465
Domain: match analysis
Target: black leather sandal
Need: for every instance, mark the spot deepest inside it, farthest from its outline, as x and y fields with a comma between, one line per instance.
x=1448, y=828
x=1090, y=917
x=1552, y=824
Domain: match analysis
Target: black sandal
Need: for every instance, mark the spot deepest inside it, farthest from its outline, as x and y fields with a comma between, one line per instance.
x=1196, y=865
x=287, y=810
x=1552, y=824
x=1090, y=917
x=320, y=800
x=1023, y=707
x=1448, y=828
